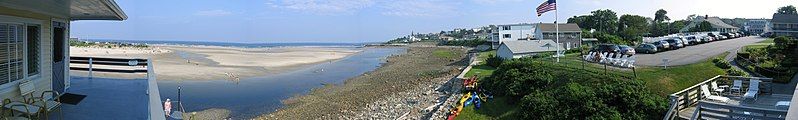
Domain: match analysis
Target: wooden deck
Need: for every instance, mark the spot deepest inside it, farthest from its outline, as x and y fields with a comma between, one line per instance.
x=763, y=101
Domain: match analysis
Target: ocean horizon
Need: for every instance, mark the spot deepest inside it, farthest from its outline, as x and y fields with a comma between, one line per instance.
x=234, y=44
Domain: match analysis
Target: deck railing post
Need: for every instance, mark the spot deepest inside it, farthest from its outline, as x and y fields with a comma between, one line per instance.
x=90, y=68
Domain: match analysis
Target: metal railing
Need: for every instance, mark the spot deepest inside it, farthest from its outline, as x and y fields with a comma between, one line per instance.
x=692, y=95
x=134, y=65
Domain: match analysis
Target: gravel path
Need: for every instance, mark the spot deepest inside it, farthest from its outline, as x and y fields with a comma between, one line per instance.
x=402, y=88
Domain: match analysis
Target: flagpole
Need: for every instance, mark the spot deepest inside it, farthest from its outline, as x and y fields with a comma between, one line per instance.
x=557, y=33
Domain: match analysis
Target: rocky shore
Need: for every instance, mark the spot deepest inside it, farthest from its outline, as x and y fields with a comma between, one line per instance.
x=413, y=85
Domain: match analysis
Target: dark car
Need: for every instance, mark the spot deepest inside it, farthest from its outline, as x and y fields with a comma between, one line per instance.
x=608, y=48
x=626, y=50
x=646, y=48
x=661, y=45
x=675, y=43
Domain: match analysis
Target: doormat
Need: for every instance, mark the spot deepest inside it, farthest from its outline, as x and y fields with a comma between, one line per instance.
x=72, y=99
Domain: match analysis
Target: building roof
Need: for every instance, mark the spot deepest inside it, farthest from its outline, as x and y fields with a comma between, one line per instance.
x=785, y=18
x=71, y=9
x=549, y=27
x=715, y=21
x=530, y=46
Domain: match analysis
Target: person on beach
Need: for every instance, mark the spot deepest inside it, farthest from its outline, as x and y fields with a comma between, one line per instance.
x=167, y=107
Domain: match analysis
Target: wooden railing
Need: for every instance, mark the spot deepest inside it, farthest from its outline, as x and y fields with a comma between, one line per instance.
x=720, y=111
x=692, y=95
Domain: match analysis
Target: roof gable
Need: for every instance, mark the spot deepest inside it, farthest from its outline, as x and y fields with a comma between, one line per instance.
x=785, y=18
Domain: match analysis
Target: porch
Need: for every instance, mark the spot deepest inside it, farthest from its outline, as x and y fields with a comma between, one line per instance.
x=106, y=98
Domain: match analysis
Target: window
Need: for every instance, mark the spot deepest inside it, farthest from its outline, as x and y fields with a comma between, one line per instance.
x=507, y=36
x=33, y=50
x=506, y=28
x=11, y=52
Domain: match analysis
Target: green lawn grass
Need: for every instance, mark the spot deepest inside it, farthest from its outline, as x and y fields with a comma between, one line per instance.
x=769, y=40
x=444, y=53
x=500, y=108
x=480, y=71
x=485, y=55
x=658, y=80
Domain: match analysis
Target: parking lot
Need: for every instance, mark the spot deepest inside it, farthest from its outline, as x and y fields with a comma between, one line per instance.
x=695, y=53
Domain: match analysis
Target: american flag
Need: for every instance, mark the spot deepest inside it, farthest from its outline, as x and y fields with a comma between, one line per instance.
x=547, y=6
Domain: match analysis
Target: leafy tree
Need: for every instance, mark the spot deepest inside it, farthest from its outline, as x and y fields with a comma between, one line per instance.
x=787, y=10
x=702, y=27
x=661, y=16
x=583, y=21
x=604, y=21
x=632, y=27
x=660, y=29
x=609, y=38
x=676, y=26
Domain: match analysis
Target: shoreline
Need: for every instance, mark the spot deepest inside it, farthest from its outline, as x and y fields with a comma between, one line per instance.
x=194, y=63
x=392, y=82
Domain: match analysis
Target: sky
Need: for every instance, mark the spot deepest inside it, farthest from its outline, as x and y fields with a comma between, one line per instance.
x=352, y=21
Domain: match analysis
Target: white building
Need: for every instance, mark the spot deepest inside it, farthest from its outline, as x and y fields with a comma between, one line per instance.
x=511, y=32
x=524, y=48
x=757, y=26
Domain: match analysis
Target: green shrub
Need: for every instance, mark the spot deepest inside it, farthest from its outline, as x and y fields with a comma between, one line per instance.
x=469, y=43
x=716, y=60
x=493, y=61
x=735, y=72
x=723, y=64
x=549, y=90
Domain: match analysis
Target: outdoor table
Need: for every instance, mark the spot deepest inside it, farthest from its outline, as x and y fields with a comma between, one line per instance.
x=31, y=110
x=725, y=88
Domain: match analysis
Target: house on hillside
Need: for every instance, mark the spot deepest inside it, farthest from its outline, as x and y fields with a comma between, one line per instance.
x=511, y=32
x=785, y=25
x=716, y=22
x=570, y=34
x=524, y=48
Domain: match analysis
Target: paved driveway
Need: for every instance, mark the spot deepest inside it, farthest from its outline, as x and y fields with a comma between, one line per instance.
x=695, y=53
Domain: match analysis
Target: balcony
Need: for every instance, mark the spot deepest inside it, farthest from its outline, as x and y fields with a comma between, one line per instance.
x=694, y=103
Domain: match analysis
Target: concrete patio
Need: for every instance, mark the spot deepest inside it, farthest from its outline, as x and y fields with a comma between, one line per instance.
x=107, y=98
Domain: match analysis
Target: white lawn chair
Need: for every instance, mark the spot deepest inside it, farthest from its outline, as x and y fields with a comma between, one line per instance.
x=630, y=63
x=737, y=86
x=588, y=56
x=708, y=95
x=753, y=90
x=608, y=59
x=603, y=57
x=618, y=61
x=715, y=87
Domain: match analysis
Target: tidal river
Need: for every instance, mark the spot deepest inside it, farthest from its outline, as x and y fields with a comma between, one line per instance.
x=255, y=96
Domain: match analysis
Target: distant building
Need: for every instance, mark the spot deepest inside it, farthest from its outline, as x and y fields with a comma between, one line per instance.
x=757, y=26
x=524, y=48
x=716, y=22
x=785, y=25
x=511, y=32
x=570, y=34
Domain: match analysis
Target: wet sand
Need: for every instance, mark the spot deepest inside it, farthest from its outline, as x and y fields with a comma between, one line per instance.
x=216, y=63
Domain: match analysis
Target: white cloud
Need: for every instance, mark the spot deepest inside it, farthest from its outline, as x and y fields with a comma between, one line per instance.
x=326, y=7
x=427, y=8
x=213, y=13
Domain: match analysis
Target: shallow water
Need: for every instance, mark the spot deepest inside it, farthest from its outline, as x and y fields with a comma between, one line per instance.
x=255, y=96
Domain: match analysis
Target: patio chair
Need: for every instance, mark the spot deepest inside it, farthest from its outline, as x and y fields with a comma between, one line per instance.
x=608, y=58
x=620, y=60
x=48, y=102
x=587, y=57
x=715, y=87
x=737, y=86
x=708, y=95
x=631, y=62
x=17, y=106
x=753, y=90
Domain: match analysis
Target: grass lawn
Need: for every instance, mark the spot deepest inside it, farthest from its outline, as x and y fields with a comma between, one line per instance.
x=485, y=55
x=481, y=71
x=658, y=80
x=499, y=108
x=443, y=53
x=769, y=40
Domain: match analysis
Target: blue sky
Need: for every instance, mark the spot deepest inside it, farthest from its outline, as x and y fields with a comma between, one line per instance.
x=281, y=21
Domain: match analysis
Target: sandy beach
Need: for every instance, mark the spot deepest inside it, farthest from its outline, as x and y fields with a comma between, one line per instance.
x=214, y=62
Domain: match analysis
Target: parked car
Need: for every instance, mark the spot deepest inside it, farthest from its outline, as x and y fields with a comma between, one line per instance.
x=728, y=35
x=675, y=43
x=661, y=45
x=646, y=48
x=707, y=38
x=692, y=40
x=608, y=48
x=713, y=36
x=626, y=50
